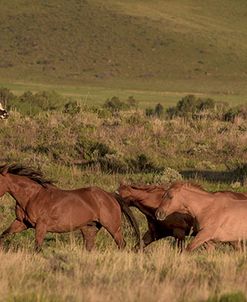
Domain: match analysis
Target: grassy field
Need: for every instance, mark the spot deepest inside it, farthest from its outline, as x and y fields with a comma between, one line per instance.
x=88, y=51
x=155, y=50
x=97, y=95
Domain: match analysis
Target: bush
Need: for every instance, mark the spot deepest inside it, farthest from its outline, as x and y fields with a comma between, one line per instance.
x=132, y=102
x=5, y=96
x=115, y=105
x=157, y=111
x=236, y=112
x=142, y=163
x=113, y=163
x=190, y=106
x=71, y=108
x=32, y=104
x=170, y=175
x=149, y=112
x=92, y=151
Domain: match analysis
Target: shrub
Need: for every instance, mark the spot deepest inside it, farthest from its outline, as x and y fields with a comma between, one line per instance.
x=132, y=102
x=113, y=163
x=235, y=112
x=5, y=96
x=92, y=151
x=32, y=104
x=149, y=112
x=142, y=163
x=72, y=108
x=170, y=175
x=190, y=106
x=115, y=105
x=159, y=110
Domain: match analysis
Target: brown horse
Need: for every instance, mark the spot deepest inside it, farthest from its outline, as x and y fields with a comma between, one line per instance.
x=220, y=216
x=43, y=206
x=147, y=199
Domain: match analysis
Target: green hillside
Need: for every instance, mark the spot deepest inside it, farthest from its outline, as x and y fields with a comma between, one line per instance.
x=174, y=45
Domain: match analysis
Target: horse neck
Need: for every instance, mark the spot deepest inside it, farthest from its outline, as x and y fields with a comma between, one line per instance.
x=148, y=202
x=197, y=202
x=22, y=189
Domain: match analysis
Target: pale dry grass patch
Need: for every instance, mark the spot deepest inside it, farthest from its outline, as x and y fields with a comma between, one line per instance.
x=159, y=274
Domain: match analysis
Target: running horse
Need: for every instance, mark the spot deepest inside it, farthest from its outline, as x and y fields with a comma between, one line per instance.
x=3, y=113
x=147, y=199
x=46, y=208
x=221, y=216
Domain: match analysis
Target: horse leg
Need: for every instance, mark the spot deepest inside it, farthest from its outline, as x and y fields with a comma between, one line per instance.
x=15, y=227
x=111, y=221
x=116, y=233
x=179, y=234
x=89, y=233
x=201, y=238
x=40, y=231
x=146, y=240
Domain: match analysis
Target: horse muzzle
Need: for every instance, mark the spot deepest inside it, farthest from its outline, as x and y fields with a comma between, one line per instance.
x=160, y=214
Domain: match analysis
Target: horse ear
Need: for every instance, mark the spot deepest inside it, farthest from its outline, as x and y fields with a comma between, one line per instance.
x=5, y=170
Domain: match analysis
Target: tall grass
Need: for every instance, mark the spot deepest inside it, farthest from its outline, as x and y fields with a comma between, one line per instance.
x=68, y=273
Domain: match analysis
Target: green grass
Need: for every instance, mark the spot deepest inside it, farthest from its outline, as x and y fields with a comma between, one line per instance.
x=154, y=50
x=97, y=95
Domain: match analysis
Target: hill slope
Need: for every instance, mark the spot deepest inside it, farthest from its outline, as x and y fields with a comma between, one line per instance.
x=194, y=43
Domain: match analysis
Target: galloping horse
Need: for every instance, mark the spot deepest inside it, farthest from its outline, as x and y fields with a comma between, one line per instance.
x=3, y=113
x=221, y=216
x=147, y=199
x=43, y=206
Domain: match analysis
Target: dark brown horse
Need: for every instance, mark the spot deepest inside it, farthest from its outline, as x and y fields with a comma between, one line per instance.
x=147, y=199
x=46, y=208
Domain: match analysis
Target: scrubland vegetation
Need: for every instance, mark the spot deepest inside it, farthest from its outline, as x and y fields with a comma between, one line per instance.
x=201, y=135
x=80, y=145
x=146, y=92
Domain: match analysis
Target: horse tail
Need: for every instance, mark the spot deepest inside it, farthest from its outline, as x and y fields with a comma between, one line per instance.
x=130, y=217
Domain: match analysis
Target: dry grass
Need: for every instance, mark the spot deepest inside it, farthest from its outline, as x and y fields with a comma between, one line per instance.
x=69, y=273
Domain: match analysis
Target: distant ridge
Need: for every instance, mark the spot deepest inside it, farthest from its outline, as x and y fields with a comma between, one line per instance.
x=111, y=40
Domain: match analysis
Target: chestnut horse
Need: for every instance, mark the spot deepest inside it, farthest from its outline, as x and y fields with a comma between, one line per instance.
x=221, y=216
x=147, y=199
x=46, y=208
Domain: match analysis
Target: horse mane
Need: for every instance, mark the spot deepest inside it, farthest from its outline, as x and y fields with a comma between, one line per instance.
x=36, y=176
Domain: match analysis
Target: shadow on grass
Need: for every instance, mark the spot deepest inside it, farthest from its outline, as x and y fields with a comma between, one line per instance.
x=214, y=176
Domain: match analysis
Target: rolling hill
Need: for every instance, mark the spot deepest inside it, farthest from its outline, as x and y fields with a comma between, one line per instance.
x=177, y=45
